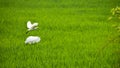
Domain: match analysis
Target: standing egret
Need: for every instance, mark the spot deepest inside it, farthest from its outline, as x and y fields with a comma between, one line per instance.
x=32, y=40
x=31, y=26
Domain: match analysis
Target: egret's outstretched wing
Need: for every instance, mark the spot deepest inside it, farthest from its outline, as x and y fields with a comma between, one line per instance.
x=29, y=25
x=35, y=24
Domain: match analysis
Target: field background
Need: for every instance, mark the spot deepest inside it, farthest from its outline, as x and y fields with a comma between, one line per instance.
x=74, y=34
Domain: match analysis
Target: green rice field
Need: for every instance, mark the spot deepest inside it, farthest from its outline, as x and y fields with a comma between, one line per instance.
x=74, y=34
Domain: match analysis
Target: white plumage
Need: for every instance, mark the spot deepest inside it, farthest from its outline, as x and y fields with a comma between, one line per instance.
x=32, y=40
x=31, y=26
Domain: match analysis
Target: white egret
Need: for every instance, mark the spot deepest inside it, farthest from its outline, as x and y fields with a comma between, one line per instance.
x=31, y=26
x=32, y=40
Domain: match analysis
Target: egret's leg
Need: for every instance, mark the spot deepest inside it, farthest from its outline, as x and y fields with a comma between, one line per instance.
x=27, y=32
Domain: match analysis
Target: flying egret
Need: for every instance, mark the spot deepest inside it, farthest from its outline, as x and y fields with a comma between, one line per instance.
x=31, y=26
x=32, y=40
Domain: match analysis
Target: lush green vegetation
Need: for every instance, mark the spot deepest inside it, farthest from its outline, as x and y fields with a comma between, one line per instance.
x=74, y=34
